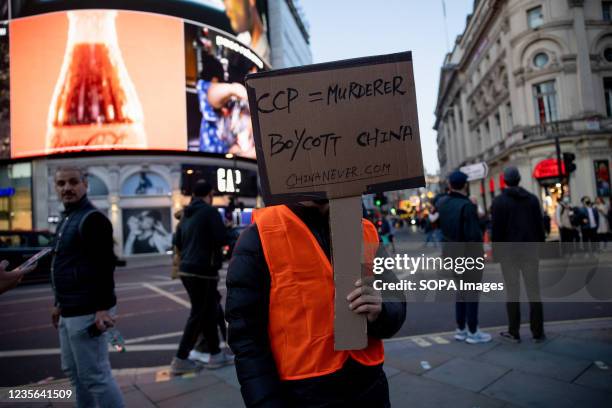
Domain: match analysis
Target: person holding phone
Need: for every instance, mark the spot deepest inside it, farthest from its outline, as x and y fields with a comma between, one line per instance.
x=10, y=279
x=82, y=276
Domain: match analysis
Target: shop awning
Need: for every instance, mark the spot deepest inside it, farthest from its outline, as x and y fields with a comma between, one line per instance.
x=547, y=168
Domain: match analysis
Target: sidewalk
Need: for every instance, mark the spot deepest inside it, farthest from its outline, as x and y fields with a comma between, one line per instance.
x=572, y=368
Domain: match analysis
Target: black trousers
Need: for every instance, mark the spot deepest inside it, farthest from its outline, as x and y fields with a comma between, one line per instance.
x=354, y=385
x=589, y=239
x=203, y=317
x=512, y=271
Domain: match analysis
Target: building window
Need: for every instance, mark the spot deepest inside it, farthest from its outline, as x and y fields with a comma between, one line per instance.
x=608, y=54
x=545, y=100
x=96, y=187
x=497, y=127
x=608, y=95
x=145, y=183
x=509, y=114
x=540, y=60
x=535, y=18
x=606, y=7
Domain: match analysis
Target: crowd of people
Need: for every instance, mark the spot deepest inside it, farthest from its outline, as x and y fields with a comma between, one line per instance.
x=285, y=356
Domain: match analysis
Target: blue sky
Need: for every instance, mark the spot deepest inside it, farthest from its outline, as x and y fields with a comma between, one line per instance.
x=343, y=29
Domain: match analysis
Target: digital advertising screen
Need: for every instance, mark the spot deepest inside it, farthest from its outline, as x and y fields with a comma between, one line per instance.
x=98, y=79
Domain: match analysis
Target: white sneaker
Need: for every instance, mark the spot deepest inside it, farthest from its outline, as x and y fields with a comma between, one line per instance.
x=478, y=337
x=195, y=355
x=461, y=335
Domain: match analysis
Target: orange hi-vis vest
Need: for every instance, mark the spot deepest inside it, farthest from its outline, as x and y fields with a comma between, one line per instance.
x=301, y=312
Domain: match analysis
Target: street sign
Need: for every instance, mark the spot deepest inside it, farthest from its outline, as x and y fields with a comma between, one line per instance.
x=476, y=171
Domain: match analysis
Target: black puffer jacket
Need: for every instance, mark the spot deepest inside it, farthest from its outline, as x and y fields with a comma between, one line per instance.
x=248, y=298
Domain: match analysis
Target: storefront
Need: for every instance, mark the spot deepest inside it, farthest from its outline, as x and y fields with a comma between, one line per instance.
x=142, y=194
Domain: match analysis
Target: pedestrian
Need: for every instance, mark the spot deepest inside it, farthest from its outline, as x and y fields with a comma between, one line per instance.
x=589, y=222
x=546, y=223
x=565, y=217
x=85, y=302
x=433, y=218
x=517, y=218
x=280, y=313
x=603, y=229
x=462, y=237
x=199, y=237
x=387, y=232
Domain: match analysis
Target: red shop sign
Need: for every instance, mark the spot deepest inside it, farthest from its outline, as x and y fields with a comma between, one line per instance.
x=547, y=168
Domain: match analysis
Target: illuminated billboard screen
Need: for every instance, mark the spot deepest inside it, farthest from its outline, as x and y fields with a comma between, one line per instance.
x=105, y=79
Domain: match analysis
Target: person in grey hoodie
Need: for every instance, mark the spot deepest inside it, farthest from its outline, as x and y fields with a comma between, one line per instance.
x=517, y=218
x=199, y=238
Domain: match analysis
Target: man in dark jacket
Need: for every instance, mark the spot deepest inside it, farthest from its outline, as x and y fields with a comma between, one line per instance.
x=517, y=219
x=82, y=277
x=462, y=237
x=248, y=314
x=199, y=237
x=588, y=217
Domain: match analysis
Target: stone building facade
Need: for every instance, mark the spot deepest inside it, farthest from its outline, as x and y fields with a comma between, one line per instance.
x=524, y=74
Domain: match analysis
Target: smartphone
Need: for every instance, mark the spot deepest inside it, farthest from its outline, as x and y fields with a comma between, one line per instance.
x=37, y=257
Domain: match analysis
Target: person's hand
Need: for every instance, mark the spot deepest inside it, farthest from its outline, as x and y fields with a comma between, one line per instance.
x=365, y=300
x=104, y=320
x=134, y=225
x=55, y=316
x=239, y=91
x=8, y=280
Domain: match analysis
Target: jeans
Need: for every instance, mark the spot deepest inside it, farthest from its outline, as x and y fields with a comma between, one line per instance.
x=466, y=306
x=203, y=316
x=512, y=271
x=85, y=362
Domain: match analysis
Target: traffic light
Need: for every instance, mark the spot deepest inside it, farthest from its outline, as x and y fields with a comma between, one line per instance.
x=568, y=161
x=380, y=199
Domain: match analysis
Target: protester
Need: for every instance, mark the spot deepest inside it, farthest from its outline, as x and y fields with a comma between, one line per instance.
x=517, y=218
x=567, y=231
x=280, y=312
x=460, y=224
x=83, y=282
x=199, y=237
x=589, y=221
x=603, y=229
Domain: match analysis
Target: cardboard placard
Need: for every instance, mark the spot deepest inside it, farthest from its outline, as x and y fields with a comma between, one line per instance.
x=337, y=129
x=350, y=329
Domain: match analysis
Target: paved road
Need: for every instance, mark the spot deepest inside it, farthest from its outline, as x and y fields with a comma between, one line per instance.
x=153, y=309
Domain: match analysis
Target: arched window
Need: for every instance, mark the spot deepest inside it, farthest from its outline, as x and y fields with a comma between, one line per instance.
x=145, y=183
x=96, y=187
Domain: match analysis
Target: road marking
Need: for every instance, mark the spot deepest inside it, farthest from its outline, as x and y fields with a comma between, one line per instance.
x=439, y=339
x=169, y=295
x=421, y=342
x=153, y=337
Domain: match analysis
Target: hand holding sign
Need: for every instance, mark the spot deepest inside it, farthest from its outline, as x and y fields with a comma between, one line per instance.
x=338, y=130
